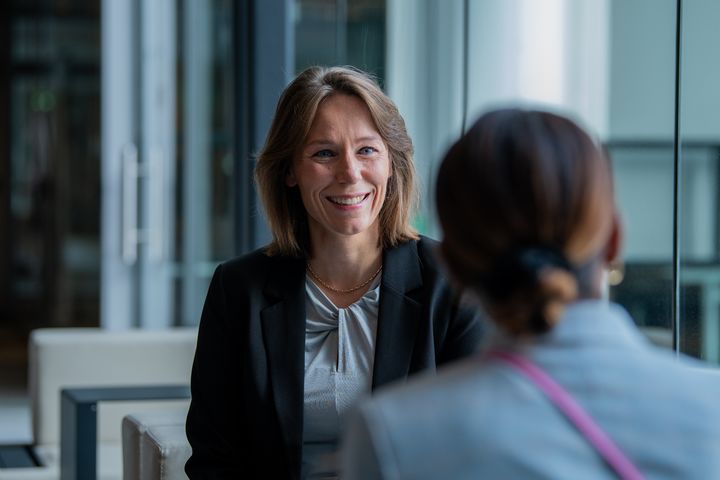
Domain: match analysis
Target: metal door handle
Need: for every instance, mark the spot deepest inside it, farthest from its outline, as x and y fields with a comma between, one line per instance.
x=129, y=229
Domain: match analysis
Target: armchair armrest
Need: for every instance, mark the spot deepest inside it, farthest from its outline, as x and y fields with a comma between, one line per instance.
x=78, y=444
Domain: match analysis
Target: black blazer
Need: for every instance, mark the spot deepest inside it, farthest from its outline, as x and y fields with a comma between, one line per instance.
x=246, y=413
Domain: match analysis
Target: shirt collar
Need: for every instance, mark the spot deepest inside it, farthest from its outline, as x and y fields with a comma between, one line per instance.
x=586, y=322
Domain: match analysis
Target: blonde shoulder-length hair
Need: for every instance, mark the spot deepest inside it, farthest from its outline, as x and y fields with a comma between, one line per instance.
x=293, y=118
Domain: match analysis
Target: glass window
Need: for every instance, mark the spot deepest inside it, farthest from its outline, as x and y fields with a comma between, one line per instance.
x=340, y=32
x=699, y=199
x=168, y=215
x=54, y=163
x=608, y=63
x=640, y=138
x=205, y=189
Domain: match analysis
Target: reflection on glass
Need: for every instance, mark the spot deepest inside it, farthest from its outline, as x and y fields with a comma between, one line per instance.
x=340, y=32
x=699, y=306
x=640, y=141
x=608, y=63
x=54, y=163
x=644, y=176
x=205, y=213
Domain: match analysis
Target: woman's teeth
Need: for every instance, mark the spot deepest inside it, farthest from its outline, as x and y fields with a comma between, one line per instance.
x=347, y=200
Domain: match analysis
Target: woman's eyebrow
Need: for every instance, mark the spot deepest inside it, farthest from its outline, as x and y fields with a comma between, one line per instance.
x=319, y=141
x=325, y=142
x=369, y=138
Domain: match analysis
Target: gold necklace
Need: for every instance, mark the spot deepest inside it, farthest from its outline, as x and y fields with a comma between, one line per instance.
x=337, y=290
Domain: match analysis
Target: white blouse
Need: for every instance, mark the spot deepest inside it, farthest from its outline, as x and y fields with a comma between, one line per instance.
x=339, y=354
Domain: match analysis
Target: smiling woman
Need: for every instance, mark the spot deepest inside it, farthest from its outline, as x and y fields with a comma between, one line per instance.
x=342, y=173
x=346, y=298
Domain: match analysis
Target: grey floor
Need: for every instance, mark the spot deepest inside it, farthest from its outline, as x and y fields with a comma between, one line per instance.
x=15, y=427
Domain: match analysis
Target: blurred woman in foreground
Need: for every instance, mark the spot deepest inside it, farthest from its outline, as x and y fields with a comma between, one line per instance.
x=568, y=387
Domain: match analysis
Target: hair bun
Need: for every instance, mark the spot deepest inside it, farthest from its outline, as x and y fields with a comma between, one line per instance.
x=529, y=288
x=558, y=287
x=520, y=269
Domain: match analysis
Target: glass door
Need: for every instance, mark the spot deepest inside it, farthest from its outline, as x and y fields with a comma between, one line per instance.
x=138, y=108
x=166, y=156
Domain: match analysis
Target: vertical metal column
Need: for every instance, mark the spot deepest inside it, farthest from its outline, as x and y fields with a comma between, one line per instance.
x=197, y=153
x=118, y=135
x=677, y=177
x=264, y=64
x=156, y=252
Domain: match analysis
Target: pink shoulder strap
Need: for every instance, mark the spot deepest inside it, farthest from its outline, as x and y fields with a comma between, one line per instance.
x=564, y=402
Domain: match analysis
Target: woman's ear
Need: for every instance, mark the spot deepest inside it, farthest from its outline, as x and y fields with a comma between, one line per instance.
x=290, y=179
x=614, y=246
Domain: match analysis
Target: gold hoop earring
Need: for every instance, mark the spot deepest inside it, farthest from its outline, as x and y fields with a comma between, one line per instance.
x=616, y=273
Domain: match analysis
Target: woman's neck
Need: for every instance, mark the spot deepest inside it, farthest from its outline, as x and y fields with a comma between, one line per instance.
x=345, y=261
x=592, y=283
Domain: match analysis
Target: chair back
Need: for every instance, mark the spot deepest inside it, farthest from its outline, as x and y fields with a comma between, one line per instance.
x=94, y=357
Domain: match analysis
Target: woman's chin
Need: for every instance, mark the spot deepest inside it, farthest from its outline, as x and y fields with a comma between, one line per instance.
x=351, y=229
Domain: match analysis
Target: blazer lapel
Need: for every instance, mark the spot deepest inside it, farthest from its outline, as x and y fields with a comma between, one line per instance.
x=398, y=314
x=283, y=328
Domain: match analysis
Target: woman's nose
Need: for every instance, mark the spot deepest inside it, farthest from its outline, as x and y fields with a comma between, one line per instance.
x=348, y=169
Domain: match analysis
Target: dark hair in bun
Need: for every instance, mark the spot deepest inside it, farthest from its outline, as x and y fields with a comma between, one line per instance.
x=525, y=203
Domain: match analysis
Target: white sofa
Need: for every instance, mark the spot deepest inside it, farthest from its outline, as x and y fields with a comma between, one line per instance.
x=92, y=357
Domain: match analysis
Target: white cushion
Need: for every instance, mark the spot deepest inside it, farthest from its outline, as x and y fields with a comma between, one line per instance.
x=77, y=357
x=92, y=357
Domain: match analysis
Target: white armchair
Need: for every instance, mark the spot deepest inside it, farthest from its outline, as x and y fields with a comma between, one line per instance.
x=155, y=446
x=91, y=357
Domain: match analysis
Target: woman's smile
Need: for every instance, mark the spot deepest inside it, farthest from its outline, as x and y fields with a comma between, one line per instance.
x=349, y=201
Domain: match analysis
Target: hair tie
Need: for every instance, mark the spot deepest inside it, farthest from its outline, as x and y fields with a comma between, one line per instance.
x=519, y=268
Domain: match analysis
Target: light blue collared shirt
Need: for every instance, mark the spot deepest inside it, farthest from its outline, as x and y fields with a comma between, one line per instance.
x=482, y=419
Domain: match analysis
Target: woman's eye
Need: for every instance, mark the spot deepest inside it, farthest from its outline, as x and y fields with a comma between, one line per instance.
x=367, y=150
x=324, y=154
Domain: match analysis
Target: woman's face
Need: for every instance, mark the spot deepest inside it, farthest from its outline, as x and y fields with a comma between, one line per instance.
x=342, y=170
